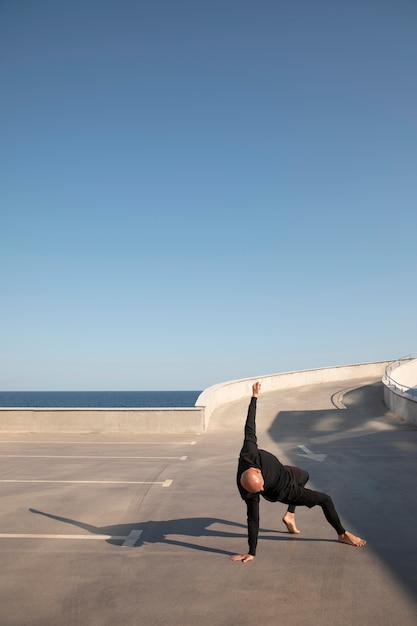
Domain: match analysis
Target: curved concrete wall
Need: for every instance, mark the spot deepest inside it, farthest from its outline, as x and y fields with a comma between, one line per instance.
x=215, y=396
x=405, y=407
x=404, y=376
x=400, y=387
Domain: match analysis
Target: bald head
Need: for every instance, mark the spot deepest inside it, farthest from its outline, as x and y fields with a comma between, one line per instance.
x=252, y=480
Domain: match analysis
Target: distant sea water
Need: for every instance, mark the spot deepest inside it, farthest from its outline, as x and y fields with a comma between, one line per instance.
x=98, y=399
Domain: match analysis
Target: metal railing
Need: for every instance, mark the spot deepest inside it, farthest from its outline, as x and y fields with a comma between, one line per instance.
x=389, y=381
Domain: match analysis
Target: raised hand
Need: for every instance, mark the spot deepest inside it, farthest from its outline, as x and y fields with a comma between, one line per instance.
x=256, y=388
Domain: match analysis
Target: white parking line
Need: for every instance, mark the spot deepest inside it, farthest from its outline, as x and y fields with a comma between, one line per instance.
x=105, y=443
x=73, y=456
x=165, y=483
x=128, y=541
x=39, y=536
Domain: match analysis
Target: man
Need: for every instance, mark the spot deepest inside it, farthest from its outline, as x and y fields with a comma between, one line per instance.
x=261, y=473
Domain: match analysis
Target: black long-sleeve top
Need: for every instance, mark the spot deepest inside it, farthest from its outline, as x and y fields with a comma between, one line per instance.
x=277, y=479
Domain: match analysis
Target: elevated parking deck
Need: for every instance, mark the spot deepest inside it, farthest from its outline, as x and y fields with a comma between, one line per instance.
x=104, y=529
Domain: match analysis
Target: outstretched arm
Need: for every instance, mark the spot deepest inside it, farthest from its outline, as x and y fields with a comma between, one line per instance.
x=252, y=503
x=253, y=529
x=250, y=425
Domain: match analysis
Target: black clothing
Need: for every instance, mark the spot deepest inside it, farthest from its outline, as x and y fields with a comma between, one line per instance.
x=282, y=483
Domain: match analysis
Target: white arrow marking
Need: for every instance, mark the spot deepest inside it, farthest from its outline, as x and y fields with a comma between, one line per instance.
x=311, y=455
x=132, y=538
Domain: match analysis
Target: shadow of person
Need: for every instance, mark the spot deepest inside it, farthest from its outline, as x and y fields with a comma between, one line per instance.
x=160, y=531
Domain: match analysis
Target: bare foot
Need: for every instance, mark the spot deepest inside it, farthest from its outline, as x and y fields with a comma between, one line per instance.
x=289, y=521
x=351, y=540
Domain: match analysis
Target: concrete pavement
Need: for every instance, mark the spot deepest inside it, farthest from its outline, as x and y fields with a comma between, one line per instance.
x=98, y=530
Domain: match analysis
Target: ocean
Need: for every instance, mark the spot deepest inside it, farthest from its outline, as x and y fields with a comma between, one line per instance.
x=97, y=399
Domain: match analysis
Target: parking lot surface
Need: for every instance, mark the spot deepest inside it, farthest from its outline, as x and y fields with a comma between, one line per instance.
x=136, y=530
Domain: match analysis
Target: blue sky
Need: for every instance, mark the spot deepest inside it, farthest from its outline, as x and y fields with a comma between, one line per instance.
x=199, y=191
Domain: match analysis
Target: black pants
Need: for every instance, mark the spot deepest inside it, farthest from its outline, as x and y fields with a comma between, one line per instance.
x=310, y=498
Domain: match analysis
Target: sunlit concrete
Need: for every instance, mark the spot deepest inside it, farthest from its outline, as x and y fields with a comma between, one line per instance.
x=101, y=420
x=161, y=553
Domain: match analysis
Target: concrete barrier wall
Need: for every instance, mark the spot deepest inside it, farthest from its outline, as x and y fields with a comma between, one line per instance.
x=400, y=384
x=162, y=420
x=405, y=407
x=172, y=420
x=215, y=396
x=404, y=375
